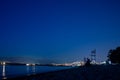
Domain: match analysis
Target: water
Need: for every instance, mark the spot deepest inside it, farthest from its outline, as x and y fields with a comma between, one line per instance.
x=10, y=71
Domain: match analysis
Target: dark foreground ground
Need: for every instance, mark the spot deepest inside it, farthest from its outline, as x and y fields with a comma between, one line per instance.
x=104, y=72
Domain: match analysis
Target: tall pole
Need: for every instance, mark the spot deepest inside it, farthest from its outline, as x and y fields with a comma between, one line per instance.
x=93, y=56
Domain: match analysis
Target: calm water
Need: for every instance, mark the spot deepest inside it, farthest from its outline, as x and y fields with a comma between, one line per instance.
x=14, y=71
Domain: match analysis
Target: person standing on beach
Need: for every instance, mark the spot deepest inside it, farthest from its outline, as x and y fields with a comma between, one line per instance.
x=88, y=62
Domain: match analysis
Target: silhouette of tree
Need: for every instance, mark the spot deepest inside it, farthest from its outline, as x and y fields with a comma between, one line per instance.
x=114, y=55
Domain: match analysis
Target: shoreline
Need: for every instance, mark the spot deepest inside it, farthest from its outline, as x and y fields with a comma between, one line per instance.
x=101, y=72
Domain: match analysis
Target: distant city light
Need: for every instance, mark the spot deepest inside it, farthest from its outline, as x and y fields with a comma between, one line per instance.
x=27, y=64
x=33, y=64
x=4, y=63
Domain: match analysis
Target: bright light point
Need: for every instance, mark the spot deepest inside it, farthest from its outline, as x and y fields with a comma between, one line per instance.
x=4, y=63
x=27, y=64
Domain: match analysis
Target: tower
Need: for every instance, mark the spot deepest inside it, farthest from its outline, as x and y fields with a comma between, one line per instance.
x=93, y=56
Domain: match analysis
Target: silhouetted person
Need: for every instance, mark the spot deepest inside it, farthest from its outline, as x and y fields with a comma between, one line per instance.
x=87, y=62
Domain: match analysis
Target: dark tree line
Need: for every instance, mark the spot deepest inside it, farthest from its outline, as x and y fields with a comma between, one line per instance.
x=114, y=55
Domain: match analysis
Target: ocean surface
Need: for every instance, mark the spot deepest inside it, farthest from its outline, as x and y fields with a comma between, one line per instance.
x=11, y=71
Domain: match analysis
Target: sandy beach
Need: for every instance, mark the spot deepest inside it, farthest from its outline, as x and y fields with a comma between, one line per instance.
x=103, y=72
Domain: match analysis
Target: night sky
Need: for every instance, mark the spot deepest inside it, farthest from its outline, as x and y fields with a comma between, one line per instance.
x=59, y=30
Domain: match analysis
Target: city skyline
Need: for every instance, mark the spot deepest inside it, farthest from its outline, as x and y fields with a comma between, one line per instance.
x=59, y=30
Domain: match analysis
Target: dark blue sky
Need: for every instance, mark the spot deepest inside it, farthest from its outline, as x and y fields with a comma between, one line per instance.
x=61, y=30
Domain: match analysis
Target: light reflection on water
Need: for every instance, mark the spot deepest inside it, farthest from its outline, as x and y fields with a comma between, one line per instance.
x=31, y=69
x=3, y=72
x=7, y=71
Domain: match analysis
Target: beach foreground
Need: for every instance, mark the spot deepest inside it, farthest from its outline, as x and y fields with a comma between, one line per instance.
x=103, y=72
